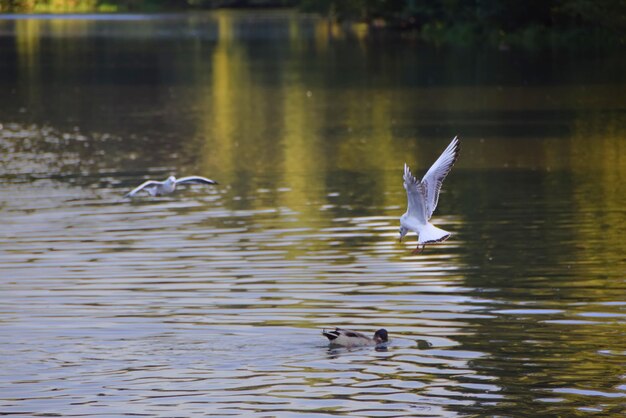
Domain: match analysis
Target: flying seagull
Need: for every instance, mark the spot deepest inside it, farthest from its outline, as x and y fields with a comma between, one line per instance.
x=158, y=188
x=422, y=199
x=348, y=338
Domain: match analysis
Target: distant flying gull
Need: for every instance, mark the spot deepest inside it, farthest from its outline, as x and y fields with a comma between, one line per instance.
x=348, y=338
x=158, y=188
x=422, y=199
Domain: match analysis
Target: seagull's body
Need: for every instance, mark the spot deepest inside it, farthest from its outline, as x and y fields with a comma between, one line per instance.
x=423, y=196
x=348, y=338
x=158, y=188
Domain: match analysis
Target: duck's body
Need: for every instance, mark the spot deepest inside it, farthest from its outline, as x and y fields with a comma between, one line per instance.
x=348, y=338
x=159, y=188
x=423, y=196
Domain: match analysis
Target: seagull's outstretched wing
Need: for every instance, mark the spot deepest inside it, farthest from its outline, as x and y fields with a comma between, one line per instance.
x=195, y=180
x=433, y=179
x=146, y=185
x=416, y=196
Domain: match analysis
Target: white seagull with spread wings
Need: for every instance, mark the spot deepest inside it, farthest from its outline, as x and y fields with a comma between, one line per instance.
x=157, y=188
x=423, y=196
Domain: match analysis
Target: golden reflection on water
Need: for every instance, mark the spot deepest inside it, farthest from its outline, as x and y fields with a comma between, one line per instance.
x=227, y=63
x=598, y=150
x=287, y=122
x=239, y=127
x=27, y=45
x=295, y=126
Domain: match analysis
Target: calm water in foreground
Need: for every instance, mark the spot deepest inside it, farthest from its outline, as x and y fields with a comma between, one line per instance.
x=211, y=301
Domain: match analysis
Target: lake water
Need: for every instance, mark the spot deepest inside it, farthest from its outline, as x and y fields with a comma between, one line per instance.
x=211, y=301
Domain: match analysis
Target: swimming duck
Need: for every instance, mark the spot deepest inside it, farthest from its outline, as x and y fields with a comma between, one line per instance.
x=348, y=338
x=157, y=188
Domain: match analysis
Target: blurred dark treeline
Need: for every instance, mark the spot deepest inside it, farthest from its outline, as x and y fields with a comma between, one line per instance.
x=515, y=21
x=439, y=21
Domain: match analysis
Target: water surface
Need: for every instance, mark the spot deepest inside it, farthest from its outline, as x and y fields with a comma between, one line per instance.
x=211, y=301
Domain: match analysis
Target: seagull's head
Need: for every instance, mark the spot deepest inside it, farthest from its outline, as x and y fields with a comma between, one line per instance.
x=171, y=180
x=402, y=232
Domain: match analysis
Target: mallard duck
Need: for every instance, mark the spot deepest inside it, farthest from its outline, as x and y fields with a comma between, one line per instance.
x=423, y=196
x=348, y=338
x=157, y=188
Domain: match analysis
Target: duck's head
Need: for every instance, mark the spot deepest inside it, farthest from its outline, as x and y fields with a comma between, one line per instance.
x=381, y=336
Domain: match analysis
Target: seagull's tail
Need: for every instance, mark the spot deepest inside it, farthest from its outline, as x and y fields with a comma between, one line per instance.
x=430, y=233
